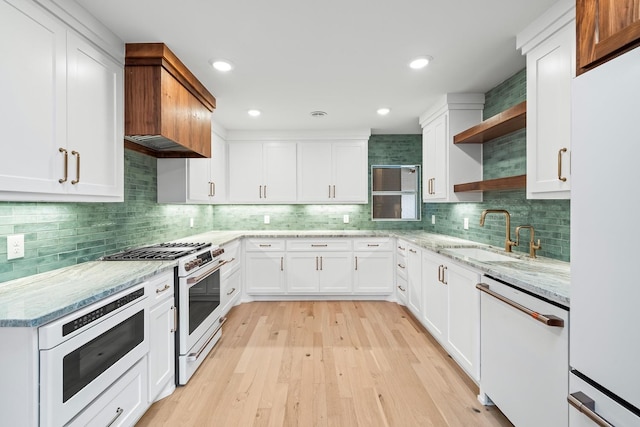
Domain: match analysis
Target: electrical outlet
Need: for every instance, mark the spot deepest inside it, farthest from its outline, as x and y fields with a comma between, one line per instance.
x=345, y=219
x=191, y=222
x=267, y=219
x=433, y=219
x=15, y=246
x=466, y=223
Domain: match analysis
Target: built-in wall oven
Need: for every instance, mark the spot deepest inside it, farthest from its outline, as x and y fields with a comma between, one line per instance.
x=197, y=298
x=84, y=353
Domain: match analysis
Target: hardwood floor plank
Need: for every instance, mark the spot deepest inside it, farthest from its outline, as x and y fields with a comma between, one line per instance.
x=325, y=363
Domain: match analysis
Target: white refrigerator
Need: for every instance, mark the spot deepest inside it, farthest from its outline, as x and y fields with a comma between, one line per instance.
x=604, y=336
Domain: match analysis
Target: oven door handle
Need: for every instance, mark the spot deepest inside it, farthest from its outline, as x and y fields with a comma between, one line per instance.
x=194, y=280
x=192, y=357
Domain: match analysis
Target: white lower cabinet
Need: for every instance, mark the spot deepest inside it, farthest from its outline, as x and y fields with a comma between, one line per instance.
x=463, y=326
x=264, y=266
x=373, y=272
x=451, y=309
x=435, y=296
x=162, y=328
x=414, y=280
x=320, y=272
x=319, y=266
x=230, y=289
x=373, y=266
x=122, y=404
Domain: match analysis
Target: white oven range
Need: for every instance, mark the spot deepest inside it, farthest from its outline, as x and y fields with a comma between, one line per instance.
x=197, y=297
x=198, y=302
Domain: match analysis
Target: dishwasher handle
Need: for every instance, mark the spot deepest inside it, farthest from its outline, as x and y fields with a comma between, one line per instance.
x=547, y=319
x=586, y=405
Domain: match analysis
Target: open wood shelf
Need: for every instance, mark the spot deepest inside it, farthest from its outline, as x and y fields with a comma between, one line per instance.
x=501, y=124
x=507, y=183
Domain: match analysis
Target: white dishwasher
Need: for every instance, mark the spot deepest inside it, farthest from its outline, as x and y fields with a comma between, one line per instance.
x=524, y=350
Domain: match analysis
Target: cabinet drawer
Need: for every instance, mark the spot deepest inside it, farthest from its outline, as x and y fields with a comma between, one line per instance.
x=232, y=256
x=318, y=245
x=261, y=245
x=401, y=290
x=160, y=287
x=401, y=267
x=382, y=244
x=122, y=404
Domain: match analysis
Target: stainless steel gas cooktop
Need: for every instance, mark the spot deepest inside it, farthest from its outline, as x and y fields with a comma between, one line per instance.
x=160, y=252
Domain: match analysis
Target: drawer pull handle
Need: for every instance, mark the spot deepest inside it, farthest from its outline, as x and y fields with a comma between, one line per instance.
x=560, y=177
x=547, y=319
x=281, y=263
x=401, y=248
x=413, y=251
x=402, y=289
x=265, y=245
x=401, y=266
x=119, y=412
x=66, y=165
x=231, y=291
x=586, y=405
x=164, y=289
x=319, y=246
x=356, y=263
x=77, y=180
x=373, y=245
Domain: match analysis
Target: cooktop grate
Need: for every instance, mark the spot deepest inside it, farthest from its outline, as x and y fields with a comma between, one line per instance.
x=159, y=252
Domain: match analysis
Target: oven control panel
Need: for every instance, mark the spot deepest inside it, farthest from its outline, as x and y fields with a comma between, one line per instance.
x=203, y=259
x=96, y=314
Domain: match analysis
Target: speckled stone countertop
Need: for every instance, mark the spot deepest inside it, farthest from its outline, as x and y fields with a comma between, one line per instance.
x=35, y=300
x=541, y=276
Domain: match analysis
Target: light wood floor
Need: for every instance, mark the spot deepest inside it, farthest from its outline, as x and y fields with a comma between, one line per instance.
x=342, y=363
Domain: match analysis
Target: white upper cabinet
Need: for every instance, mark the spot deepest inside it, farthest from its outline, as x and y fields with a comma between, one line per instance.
x=61, y=110
x=195, y=181
x=262, y=172
x=446, y=164
x=332, y=172
x=297, y=167
x=549, y=44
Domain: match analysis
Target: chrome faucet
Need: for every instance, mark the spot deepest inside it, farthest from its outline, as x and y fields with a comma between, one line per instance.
x=507, y=241
x=532, y=246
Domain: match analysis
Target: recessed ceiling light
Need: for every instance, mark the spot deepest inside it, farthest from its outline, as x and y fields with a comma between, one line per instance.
x=318, y=113
x=383, y=111
x=254, y=113
x=420, y=62
x=222, y=65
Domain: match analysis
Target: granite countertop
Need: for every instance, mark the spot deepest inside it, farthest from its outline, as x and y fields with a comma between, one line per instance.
x=35, y=300
x=541, y=276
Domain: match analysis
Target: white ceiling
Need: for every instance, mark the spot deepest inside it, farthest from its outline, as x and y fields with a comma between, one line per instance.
x=345, y=57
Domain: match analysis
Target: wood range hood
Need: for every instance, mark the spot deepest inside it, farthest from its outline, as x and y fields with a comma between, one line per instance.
x=167, y=111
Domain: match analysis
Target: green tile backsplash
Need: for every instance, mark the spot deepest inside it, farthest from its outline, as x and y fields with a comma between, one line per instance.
x=62, y=234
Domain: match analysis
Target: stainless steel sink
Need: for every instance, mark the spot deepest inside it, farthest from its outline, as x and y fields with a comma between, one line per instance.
x=482, y=255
